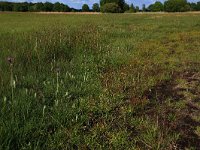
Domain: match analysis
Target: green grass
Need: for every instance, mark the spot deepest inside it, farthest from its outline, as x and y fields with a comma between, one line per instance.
x=81, y=81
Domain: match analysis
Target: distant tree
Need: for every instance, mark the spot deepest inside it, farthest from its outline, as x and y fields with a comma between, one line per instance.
x=157, y=6
x=1, y=6
x=11, y=6
x=120, y=3
x=126, y=7
x=137, y=9
x=57, y=7
x=132, y=9
x=85, y=8
x=198, y=6
x=6, y=6
x=96, y=7
x=73, y=10
x=65, y=8
x=193, y=6
x=110, y=8
x=176, y=6
x=39, y=7
x=16, y=7
x=143, y=7
x=23, y=7
x=48, y=6
x=32, y=8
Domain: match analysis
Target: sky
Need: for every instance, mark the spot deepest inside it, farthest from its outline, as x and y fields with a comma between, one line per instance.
x=78, y=3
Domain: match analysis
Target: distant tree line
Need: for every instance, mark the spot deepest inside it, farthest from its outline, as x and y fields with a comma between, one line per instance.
x=24, y=7
x=106, y=6
x=174, y=6
x=118, y=6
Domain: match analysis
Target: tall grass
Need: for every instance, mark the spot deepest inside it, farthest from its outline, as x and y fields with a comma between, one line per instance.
x=81, y=83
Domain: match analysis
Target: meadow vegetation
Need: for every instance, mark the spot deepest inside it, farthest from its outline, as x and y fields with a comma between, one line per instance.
x=112, y=81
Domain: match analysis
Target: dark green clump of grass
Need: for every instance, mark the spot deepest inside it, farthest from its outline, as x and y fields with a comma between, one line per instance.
x=85, y=83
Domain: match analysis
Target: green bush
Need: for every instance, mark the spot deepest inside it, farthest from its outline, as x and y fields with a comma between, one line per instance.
x=110, y=8
x=157, y=6
x=121, y=3
x=176, y=6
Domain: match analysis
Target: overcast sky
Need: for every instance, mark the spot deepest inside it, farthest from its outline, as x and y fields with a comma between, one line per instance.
x=78, y=3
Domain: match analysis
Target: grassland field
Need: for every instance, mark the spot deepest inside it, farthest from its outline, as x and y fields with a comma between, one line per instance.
x=100, y=81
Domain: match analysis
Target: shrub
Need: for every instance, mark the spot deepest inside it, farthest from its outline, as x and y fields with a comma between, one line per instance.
x=157, y=6
x=176, y=6
x=120, y=3
x=110, y=8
